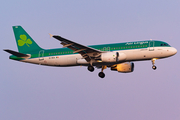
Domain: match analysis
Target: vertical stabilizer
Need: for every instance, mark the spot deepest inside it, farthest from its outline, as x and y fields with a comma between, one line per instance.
x=24, y=42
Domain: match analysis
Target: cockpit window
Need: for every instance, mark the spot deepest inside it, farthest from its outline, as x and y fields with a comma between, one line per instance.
x=165, y=44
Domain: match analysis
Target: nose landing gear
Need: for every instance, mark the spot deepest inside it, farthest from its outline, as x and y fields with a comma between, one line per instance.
x=154, y=67
x=153, y=62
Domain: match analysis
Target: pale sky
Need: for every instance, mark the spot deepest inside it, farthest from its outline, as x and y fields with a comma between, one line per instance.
x=33, y=92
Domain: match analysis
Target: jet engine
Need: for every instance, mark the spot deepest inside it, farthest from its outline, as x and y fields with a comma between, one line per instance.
x=124, y=67
x=112, y=57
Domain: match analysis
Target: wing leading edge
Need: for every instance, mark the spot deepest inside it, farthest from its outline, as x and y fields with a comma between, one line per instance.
x=87, y=53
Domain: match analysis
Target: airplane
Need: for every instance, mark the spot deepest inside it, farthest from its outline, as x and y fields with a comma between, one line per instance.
x=118, y=56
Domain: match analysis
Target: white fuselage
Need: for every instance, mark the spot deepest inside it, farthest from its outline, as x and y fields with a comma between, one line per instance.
x=131, y=55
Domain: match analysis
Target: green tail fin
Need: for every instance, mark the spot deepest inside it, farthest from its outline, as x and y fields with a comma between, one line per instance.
x=24, y=42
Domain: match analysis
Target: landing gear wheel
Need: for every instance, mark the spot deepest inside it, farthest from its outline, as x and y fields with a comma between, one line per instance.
x=91, y=68
x=101, y=75
x=153, y=62
x=154, y=67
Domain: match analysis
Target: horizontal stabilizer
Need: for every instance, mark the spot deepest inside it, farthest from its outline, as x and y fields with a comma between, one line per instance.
x=16, y=53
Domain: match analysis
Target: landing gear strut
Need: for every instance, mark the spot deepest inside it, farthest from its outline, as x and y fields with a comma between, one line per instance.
x=153, y=62
x=90, y=68
x=101, y=74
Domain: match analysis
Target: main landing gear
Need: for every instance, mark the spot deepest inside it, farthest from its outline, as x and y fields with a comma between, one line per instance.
x=101, y=74
x=153, y=62
x=90, y=68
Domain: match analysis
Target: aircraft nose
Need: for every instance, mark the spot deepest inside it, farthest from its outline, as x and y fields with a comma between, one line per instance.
x=174, y=51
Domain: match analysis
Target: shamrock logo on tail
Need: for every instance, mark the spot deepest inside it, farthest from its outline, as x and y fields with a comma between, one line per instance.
x=24, y=40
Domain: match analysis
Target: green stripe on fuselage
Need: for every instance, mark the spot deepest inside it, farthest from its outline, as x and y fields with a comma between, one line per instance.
x=103, y=47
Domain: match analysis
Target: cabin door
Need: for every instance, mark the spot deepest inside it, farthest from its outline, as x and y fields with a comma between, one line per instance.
x=41, y=55
x=151, y=46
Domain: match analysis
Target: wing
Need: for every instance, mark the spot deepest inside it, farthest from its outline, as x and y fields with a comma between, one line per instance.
x=87, y=53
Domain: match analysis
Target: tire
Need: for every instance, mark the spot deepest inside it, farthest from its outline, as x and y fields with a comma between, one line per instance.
x=101, y=75
x=91, y=68
x=154, y=67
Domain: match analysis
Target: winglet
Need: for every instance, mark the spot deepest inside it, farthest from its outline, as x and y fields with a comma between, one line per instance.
x=50, y=35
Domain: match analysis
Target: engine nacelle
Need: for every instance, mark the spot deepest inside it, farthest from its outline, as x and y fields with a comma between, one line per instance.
x=112, y=57
x=108, y=57
x=124, y=67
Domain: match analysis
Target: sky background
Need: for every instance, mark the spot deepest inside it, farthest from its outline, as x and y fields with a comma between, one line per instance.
x=33, y=92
